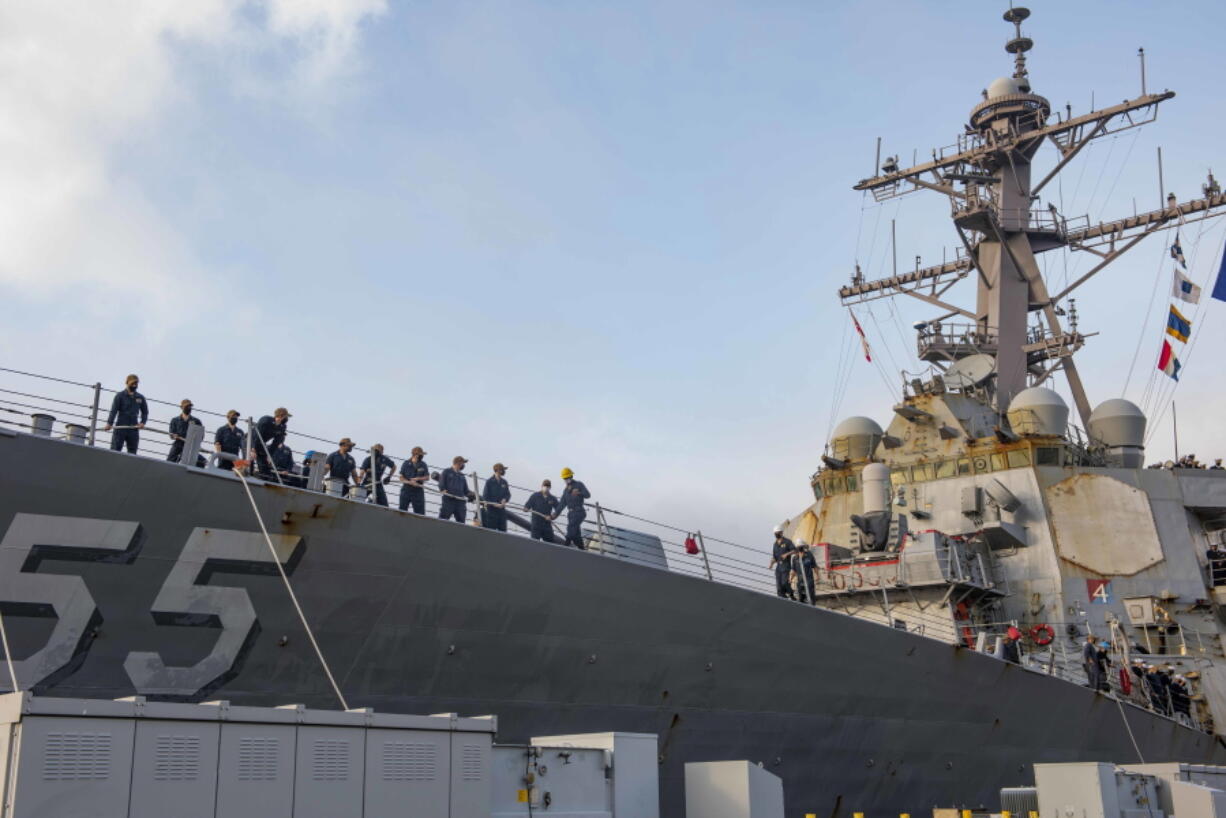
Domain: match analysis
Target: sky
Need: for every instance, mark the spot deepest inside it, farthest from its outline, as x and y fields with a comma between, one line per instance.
x=604, y=236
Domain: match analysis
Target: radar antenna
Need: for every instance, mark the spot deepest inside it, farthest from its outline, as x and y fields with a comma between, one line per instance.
x=986, y=177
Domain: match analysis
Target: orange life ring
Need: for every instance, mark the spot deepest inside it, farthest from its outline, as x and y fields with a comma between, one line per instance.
x=1042, y=634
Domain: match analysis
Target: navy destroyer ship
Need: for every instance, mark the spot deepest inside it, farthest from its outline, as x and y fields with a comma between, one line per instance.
x=978, y=508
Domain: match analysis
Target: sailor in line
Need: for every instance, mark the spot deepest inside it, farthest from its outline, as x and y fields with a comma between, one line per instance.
x=572, y=500
x=382, y=464
x=229, y=439
x=781, y=561
x=270, y=432
x=542, y=508
x=283, y=462
x=1010, y=650
x=130, y=412
x=454, y=488
x=494, y=499
x=802, y=566
x=413, y=476
x=1095, y=660
x=339, y=468
x=178, y=432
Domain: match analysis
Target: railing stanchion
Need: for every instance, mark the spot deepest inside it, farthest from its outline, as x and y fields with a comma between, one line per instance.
x=706, y=564
x=93, y=415
x=477, y=505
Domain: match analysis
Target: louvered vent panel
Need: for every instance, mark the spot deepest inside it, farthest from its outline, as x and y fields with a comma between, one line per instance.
x=407, y=761
x=177, y=758
x=257, y=758
x=471, y=766
x=77, y=757
x=330, y=760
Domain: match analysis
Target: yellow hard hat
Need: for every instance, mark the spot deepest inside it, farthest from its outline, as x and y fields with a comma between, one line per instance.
x=567, y=474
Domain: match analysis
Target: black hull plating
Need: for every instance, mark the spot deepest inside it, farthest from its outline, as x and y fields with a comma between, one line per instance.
x=419, y=615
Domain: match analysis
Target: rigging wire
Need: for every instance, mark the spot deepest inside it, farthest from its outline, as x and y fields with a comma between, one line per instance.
x=1149, y=308
x=276, y=560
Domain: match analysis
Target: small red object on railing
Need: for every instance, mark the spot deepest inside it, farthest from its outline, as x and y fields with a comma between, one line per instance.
x=691, y=545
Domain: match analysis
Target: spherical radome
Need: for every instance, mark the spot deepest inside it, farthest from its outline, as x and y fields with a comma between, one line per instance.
x=1001, y=86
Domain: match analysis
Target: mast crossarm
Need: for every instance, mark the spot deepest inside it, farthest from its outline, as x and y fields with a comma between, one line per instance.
x=1064, y=134
x=888, y=286
x=1153, y=220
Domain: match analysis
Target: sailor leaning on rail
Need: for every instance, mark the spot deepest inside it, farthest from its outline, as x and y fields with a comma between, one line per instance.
x=270, y=432
x=129, y=414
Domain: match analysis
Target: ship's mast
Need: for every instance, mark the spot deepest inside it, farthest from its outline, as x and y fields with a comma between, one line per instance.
x=995, y=211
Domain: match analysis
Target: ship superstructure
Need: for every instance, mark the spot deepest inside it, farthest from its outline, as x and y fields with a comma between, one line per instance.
x=979, y=506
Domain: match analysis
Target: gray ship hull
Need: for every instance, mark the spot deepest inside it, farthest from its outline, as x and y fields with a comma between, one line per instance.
x=424, y=616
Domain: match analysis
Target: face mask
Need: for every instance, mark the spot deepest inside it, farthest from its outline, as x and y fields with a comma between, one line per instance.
x=187, y=410
x=132, y=387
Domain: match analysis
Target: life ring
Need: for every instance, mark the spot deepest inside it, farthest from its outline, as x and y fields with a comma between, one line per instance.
x=1042, y=634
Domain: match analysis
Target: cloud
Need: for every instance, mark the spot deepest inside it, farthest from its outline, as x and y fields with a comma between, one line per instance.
x=79, y=80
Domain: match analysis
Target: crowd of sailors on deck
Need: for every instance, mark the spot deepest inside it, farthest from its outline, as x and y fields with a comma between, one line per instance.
x=1189, y=461
x=268, y=457
x=1156, y=687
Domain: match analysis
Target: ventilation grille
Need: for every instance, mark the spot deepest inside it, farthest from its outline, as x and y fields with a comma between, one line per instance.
x=177, y=758
x=472, y=767
x=330, y=760
x=77, y=757
x=257, y=758
x=405, y=761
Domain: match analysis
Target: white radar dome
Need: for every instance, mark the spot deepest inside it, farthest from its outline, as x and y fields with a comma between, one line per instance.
x=1118, y=422
x=1038, y=411
x=1002, y=86
x=1119, y=425
x=855, y=438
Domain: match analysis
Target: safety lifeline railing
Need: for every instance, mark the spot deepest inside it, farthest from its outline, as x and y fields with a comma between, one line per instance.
x=75, y=410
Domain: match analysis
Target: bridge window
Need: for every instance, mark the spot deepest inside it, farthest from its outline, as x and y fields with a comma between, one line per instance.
x=945, y=469
x=898, y=477
x=964, y=466
x=1018, y=458
x=1047, y=456
x=921, y=472
x=998, y=461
